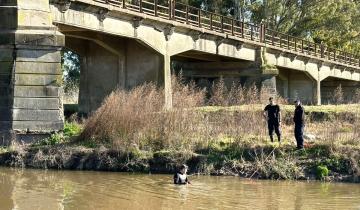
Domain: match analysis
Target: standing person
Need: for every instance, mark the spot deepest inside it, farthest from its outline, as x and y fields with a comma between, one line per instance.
x=181, y=177
x=273, y=116
x=299, y=120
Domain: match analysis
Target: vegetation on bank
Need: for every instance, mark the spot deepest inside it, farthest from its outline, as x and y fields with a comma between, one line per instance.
x=132, y=132
x=245, y=159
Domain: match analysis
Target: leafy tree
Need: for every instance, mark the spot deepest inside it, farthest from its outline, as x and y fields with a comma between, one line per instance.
x=71, y=70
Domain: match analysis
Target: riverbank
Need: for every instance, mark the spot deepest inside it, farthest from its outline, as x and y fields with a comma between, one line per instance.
x=317, y=161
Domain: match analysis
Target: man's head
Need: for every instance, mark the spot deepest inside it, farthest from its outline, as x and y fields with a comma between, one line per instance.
x=271, y=100
x=183, y=168
x=297, y=102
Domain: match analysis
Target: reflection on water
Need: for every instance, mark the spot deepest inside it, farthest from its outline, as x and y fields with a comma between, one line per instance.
x=37, y=189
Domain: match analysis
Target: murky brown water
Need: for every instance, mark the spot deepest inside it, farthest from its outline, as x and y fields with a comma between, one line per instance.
x=38, y=189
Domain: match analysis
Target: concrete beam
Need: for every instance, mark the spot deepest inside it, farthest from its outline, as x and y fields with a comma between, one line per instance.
x=36, y=115
x=38, y=91
x=35, y=126
x=37, y=103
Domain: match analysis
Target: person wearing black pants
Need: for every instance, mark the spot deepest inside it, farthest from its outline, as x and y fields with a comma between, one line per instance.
x=273, y=115
x=299, y=120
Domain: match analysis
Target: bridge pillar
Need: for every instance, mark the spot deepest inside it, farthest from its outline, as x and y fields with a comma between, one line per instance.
x=167, y=82
x=30, y=71
x=318, y=92
x=269, y=82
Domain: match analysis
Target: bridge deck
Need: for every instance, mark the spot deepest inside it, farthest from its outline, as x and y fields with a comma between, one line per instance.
x=193, y=16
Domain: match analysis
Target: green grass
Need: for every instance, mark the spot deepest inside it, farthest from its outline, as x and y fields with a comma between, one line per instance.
x=71, y=131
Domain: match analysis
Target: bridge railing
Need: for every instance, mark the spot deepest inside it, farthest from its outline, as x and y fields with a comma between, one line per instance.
x=211, y=21
x=296, y=44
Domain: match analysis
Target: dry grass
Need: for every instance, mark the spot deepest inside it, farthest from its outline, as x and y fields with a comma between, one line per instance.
x=239, y=95
x=135, y=119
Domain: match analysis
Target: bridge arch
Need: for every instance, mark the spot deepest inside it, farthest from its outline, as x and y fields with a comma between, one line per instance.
x=109, y=62
x=329, y=86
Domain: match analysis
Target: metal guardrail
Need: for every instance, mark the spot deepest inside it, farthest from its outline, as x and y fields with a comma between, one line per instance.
x=259, y=33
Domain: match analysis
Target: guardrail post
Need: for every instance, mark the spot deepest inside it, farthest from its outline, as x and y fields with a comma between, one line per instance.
x=334, y=54
x=344, y=57
x=242, y=30
x=288, y=42
x=315, y=49
x=199, y=18
x=295, y=44
x=350, y=58
x=273, y=38
x=170, y=9
x=308, y=51
x=156, y=7
x=328, y=53
x=124, y=4
x=173, y=9
x=264, y=32
x=187, y=14
x=322, y=51
x=302, y=46
x=232, y=26
x=222, y=24
x=140, y=6
x=251, y=32
x=211, y=21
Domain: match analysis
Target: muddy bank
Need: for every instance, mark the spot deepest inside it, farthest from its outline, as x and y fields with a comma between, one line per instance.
x=267, y=162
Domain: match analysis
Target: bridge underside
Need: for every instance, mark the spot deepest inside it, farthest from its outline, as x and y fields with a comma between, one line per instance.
x=335, y=90
x=110, y=62
x=292, y=85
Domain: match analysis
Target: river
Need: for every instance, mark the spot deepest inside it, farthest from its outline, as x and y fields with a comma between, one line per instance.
x=85, y=190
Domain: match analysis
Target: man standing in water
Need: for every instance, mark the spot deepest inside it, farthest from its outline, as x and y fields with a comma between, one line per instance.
x=299, y=120
x=180, y=177
x=273, y=116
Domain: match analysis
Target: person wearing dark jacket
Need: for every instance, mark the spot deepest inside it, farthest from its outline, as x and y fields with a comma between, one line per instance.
x=299, y=120
x=180, y=177
x=273, y=116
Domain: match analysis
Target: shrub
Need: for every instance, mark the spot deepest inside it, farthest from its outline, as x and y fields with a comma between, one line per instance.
x=55, y=138
x=338, y=95
x=322, y=171
x=72, y=129
x=219, y=94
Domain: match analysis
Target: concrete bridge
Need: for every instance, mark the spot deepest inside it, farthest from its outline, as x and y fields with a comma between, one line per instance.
x=125, y=43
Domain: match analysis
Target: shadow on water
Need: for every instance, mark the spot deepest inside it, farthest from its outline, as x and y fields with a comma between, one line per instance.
x=38, y=189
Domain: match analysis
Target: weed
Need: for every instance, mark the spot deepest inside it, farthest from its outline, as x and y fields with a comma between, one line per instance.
x=72, y=129
x=322, y=171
